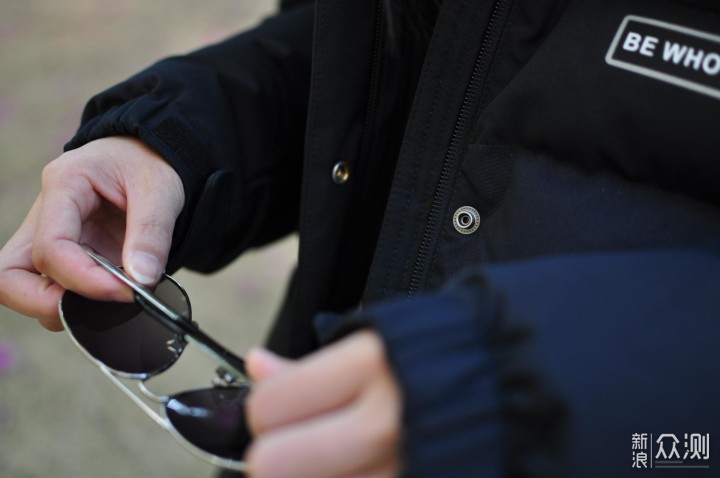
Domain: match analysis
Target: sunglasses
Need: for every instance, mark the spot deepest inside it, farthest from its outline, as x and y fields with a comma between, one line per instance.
x=140, y=340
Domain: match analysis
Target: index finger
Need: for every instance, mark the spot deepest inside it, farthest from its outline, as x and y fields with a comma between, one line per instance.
x=56, y=250
x=22, y=287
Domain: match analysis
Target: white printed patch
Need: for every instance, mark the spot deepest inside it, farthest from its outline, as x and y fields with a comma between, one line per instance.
x=667, y=52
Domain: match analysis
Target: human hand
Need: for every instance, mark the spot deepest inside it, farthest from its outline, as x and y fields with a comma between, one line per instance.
x=334, y=413
x=116, y=195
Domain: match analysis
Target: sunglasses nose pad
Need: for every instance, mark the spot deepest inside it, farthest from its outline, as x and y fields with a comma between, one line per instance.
x=176, y=345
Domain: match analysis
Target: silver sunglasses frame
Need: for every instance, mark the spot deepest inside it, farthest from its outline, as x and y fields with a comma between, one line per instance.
x=230, y=373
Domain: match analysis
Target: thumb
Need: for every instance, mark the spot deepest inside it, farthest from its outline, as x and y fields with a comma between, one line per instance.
x=151, y=214
x=261, y=363
x=148, y=237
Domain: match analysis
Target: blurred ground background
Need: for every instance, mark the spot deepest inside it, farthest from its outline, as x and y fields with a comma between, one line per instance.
x=59, y=416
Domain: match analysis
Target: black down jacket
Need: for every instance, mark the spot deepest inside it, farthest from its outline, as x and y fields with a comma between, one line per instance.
x=521, y=196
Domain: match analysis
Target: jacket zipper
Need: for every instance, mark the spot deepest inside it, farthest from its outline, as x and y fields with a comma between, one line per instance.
x=457, y=140
x=372, y=85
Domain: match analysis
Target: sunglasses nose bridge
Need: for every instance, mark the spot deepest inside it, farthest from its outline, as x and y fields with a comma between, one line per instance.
x=149, y=394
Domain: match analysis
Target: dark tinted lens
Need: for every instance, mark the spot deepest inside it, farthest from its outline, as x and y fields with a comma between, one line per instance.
x=121, y=335
x=212, y=419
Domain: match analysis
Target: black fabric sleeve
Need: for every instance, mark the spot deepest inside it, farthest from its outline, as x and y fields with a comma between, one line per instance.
x=230, y=118
x=549, y=367
x=287, y=4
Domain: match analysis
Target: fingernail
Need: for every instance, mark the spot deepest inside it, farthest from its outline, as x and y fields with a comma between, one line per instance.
x=262, y=355
x=144, y=268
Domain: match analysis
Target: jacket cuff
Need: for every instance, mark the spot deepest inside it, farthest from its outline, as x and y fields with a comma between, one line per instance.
x=161, y=127
x=452, y=416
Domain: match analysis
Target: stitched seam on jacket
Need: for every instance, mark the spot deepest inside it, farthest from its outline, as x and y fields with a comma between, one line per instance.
x=316, y=96
x=404, y=216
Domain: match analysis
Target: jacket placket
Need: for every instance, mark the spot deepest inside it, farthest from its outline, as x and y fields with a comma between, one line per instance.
x=341, y=76
x=436, y=136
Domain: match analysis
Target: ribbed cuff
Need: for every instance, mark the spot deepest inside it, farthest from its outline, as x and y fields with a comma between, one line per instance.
x=436, y=345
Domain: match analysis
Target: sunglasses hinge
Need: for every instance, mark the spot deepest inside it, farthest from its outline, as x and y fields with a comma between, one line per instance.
x=225, y=378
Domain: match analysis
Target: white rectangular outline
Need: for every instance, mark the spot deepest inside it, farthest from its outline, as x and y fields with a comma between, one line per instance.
x=691, y=85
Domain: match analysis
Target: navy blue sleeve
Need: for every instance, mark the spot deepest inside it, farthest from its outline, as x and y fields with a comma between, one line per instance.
x=230, y=118
x=549, y=367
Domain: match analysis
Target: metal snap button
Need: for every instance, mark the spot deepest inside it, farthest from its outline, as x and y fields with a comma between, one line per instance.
x=466, y=220
x=340, y=172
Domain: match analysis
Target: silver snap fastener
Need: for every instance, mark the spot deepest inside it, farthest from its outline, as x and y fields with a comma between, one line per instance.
x=466, y=220
x=340, y=172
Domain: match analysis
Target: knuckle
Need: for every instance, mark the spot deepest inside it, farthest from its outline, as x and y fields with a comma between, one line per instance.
x=394, y=468
x=43, y=255
x=59, y=165
x=149, y=231
x=152, y=224
x=371, y=345
x=255, y=411
x=50, y=172
x=64, y=173
x=259, y=458
x=40, y=256
x=380, y=434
